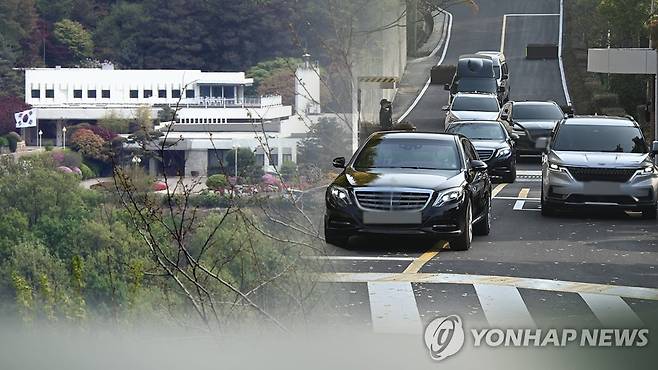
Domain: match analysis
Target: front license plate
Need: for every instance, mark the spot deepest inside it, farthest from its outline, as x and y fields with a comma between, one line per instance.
x=388, y=218
x=601, y=188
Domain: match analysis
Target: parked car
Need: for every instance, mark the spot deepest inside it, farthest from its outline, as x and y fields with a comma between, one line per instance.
x=531, y=120
x=494, y=146
x=467, y=106
x=475, y=74
x=599, y=161
x=402, y=183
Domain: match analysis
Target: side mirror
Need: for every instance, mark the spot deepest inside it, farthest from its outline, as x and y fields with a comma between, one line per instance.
x=654, y=148
x=445, y=108
x=478, y=165
x=339, y=162
x=504, y=116
x=446, y=87
x=542, y=144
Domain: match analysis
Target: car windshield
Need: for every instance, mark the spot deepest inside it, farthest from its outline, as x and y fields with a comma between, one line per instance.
x=537, y=112
x=475, y=103
x=479, y=131
x=596, y=138
x=409, y=153
x=477, y=85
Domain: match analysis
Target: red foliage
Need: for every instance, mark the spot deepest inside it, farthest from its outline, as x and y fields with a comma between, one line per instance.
x=8, y=106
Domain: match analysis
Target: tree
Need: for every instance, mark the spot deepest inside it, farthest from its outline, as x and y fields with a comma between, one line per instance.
x=247, y=166
x=10, y=80
x=8, y=106
x=74, y=39
x=325, y=141
x=121, y=36
x=89, y=144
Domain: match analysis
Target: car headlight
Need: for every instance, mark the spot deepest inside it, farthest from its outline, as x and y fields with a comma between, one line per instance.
x=646, y=171
x=503, y=152
x=339, y=196
x=555, y=167
x=448, y=196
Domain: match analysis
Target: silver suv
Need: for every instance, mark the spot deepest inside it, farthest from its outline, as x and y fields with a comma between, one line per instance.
x=598, y=161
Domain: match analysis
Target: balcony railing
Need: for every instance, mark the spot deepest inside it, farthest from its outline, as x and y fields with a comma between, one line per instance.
x=246, y=102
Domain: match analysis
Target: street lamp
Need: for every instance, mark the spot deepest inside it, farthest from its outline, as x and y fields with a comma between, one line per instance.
x=40, y=140
x=64, y=137
x=235, y=160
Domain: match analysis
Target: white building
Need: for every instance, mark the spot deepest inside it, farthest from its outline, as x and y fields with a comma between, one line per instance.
x=214, y=115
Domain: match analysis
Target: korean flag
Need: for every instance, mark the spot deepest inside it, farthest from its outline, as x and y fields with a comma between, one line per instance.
x=27, y=118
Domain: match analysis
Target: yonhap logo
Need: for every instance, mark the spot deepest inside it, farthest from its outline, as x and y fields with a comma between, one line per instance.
x=444, y=337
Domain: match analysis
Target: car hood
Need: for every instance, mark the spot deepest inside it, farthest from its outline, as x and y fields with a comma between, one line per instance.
x=598, y=159
x=489, y=144
x=405, y=178
x=537, y=125
x=465, y=115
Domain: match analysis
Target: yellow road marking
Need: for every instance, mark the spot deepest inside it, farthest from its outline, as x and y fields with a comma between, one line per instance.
x=419, y=262
x=497, y=189
x=524, y=193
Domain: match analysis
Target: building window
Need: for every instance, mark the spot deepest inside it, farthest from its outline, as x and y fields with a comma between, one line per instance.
x=91, y=94
x=36, y=94
x=175, y=94
x=189, y=94
x=50, y=93
x=205, y=90
x=260, y=159
x=162, y=93
x=134, y=94
x=77, y=94
x=287, y=158
x=148, y=93
x=105, y=94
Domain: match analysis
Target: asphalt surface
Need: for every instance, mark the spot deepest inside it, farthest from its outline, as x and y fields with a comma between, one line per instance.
x=589, y=268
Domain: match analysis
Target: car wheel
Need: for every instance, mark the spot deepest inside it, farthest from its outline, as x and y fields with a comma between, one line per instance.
x=341, y=241
x=483, y=227
x=511, y=177
x=649, y=213
x=546, y=210
x=463, y=242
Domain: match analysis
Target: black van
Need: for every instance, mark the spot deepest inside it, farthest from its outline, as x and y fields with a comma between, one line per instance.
x=475, y=74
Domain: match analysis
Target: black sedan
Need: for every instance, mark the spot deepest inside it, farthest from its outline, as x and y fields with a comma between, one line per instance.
x=531, y=120
x=494, y=145
x=402, y=183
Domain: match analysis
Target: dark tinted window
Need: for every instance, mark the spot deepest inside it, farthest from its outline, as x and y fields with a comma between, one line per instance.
x=497, y=71
x=537, y=112
x=471, y=103
x=148, y=93
x=479, y=131
x=487, y=85
x=91, y=94
x=36, y=94
x=175, y=93
x=77, y=94
x=50, y=93
x=134, y=94
x=586, y=138
x=162, y=93
x=105, y=94
x=189, y=93
x=409, y=153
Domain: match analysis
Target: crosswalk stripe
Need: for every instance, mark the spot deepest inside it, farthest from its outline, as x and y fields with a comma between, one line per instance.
x=503, y=306
x=611, y=310
x=393, y=308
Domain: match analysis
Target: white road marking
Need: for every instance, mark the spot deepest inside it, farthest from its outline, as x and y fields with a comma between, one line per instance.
x=393, y=308
x=559, y=56
x=523, y=194
x=517, y=198
x=611, y=310
x=359, y=258
x=502, y=36
x=528, y=173
x=518, y=282
x=503, y=306
x=429, y=80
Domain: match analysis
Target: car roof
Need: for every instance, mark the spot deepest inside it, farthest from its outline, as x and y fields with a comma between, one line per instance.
x=534, y=102
x=497, y=56
x=474, y=95
x=471, y=122
x=600, y=121
x=413, y=135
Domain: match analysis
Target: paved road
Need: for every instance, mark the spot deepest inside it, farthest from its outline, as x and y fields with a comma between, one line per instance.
x=483, y=31
x=586, y=269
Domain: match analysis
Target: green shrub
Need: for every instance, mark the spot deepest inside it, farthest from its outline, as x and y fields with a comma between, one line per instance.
x=87, y=173
x=3, y=142
x=13, y=138
x=288, y=170
x=217, y=181
x=49, y=148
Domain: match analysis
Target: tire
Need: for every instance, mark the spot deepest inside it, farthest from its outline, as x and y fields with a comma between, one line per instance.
x=649, y=213
x=511, y=177
x=341, y=241
x=546, y=210
x=463, y=242
x=483, y=227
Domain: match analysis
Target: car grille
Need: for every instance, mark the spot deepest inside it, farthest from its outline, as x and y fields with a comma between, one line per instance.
x=485, y=154
x=601, y=174
x=392, y=200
